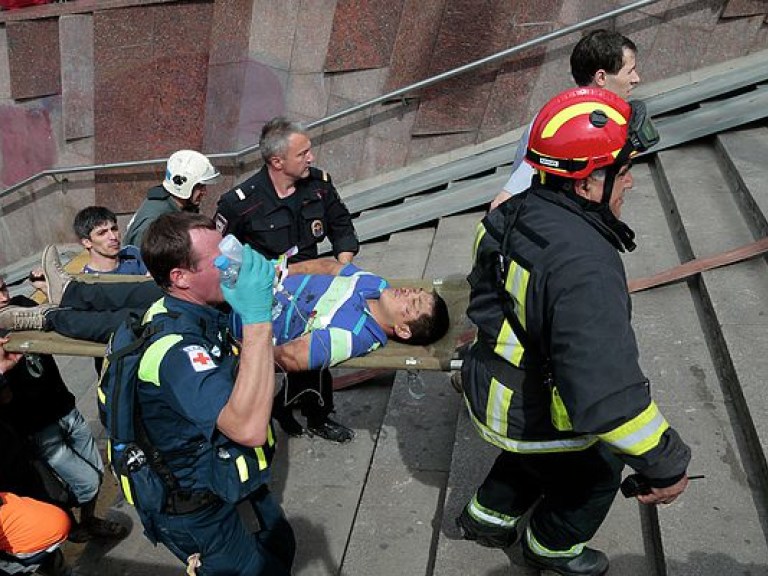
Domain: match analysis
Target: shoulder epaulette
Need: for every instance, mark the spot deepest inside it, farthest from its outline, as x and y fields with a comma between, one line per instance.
x=319, y=174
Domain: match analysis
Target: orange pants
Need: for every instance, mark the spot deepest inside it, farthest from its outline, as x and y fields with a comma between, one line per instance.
x=28, y=525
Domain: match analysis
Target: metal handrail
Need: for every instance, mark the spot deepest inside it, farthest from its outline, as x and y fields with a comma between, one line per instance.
x=401, y=92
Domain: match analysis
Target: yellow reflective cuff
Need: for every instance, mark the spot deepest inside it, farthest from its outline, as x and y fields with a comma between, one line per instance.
x=242, y=468
x=270, y=436
x=149, y=367
x=499, y=399
x=262, y=458
x=640, y=434
x=125, y=485
x=541, y=550
x=488, y=516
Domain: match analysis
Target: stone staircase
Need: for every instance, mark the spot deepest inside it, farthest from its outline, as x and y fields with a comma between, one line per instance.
x=385, y=503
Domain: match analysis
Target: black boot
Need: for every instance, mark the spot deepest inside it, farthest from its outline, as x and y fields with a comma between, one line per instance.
x=288, y=422
x=590, y=562
x=330, y=430
x=484, y=534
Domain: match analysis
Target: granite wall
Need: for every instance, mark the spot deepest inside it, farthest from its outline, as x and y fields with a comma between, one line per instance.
x=118, y=80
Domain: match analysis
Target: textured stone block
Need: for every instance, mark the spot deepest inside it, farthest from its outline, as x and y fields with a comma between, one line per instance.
x=363, y=34
x=230, y=31
x=76, y=45
x=412, y=53
x=5, y=73
x=242, y=96
x=308, y=95
x=272, y=31
x=311, y=35
x=466, y=34
x=732, y=38
x=33, y=56
x=737, y=8
x=27, y=141
x=149, y=91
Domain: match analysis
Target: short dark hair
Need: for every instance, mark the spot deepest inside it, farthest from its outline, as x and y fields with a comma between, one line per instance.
x=88, y=218
x=274, y=136
x=600, y=49
x=167, y=244
x=430, y=326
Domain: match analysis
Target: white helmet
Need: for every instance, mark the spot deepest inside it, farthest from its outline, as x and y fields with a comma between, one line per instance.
x=185, y=170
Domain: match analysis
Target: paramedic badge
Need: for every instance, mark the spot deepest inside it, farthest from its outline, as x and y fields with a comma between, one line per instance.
x=199, y=358
x=317, y=228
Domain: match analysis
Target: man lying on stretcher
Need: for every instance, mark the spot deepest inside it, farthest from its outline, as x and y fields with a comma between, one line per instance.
x=324, y=314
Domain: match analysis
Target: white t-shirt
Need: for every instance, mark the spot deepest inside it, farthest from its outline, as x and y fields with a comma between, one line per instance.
x=522, y=172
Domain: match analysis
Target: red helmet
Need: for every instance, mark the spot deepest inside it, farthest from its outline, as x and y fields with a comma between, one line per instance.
x=580, y=131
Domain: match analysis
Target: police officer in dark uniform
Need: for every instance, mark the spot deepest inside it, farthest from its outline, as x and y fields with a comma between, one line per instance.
x=553, y=378
x=289, y=203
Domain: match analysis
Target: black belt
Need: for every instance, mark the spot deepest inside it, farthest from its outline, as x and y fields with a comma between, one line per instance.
x=185, y=502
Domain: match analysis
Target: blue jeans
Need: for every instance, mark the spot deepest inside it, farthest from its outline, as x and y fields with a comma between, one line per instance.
x=69, y=448
x=225, y=545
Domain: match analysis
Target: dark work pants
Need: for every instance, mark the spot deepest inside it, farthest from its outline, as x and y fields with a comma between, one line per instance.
x=576, y=491
x=225, y=544
x=93, y=311
x=312, y=391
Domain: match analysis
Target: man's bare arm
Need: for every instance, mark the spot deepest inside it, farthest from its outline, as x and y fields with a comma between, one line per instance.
x=293, y=356
x=245, y=417
x=325, y=266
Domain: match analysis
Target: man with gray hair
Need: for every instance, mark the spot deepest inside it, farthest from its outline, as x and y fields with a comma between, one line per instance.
x=288, y=204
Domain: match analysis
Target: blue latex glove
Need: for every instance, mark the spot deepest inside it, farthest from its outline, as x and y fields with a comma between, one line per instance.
x=251, y=296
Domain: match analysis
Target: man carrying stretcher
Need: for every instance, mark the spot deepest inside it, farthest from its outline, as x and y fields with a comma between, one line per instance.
x=325, y=313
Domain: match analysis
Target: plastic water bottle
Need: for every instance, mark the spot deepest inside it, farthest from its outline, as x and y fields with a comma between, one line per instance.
x=230, y=260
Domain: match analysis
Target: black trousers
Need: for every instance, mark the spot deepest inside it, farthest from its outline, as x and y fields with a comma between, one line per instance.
x=312, y=391
x=576, y=490
x=93, y=311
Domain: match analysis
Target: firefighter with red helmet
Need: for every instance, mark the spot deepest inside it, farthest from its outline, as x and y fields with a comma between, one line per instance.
x=553, y=377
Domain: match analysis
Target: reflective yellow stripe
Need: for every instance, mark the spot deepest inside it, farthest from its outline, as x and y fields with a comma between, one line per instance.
x=640, y=434
x=158, y=307
x=558, y=412
x=530, y=446
x=516, y=284
x=149, y=367
x=479, y=235
x=499, y=399
x=483, y=514
x=270, y=436
x=508, y=346
x=580, y=109
x=539, y=549
x=102, y=397
x=262, y=457
x=125, y=484
x=242, y=468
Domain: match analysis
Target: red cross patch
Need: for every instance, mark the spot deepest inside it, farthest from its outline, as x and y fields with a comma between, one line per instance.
x=199, y=358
